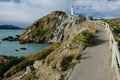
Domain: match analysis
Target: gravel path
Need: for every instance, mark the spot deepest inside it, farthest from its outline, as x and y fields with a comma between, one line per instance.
x=95, y=63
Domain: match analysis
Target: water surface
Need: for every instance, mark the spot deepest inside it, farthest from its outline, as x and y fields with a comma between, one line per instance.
x=8, y=48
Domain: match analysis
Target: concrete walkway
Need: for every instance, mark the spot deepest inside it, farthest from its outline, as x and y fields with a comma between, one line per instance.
x=95, y=63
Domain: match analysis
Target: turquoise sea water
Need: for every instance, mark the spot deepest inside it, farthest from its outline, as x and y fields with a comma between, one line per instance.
x=8, y=48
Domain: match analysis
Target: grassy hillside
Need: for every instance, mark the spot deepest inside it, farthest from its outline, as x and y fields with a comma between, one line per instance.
x=40, y=30
x=16, y=64
x=73, y=35
x=115, y=27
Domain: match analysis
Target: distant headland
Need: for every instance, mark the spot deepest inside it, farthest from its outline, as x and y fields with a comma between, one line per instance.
x=10, y=27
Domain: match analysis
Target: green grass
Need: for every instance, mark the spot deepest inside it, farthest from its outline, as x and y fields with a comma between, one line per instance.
x=115, y=27
x=66, y=62
x=39, y=32
x=29, y=60
x=12, y=62
x=42, y=29
x=85, y=38
x=53, y=21
x=26, y=62
x=44, y=54
x=31, y=75
x=19, y=67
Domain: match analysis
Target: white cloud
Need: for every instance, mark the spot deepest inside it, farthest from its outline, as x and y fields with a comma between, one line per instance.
x=102, y=8
x=27, y=11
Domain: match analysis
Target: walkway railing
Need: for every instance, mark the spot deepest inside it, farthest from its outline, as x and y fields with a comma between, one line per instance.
x=113, y=44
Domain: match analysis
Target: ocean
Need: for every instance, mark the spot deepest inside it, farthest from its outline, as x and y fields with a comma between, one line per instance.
x=9, y=48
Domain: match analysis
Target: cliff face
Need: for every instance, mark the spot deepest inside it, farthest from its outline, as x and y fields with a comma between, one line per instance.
x=50, y=28
x=41, y=30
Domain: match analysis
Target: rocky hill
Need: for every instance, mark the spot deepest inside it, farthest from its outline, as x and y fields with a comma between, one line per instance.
x=9, y=27
x=50, y=28
x=69, y=36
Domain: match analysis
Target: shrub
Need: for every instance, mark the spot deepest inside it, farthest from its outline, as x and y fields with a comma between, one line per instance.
x=66, y=62
x=39, y=32
x=92, y=28
x=19, y=67
x=54, y=20
x=29, y=60
x=115, y=29
x=13, y=61
x=44, y=53
x=30, y=76
x=85, y=38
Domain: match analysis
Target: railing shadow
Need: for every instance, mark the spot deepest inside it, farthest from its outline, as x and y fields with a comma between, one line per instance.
x=98, y=31
x=98, y=41
x=84, y=56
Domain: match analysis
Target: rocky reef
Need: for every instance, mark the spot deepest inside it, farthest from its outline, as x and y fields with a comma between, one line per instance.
x=11, y=38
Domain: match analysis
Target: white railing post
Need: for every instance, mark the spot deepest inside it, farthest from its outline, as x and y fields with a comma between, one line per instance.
x=117, y=70
x=110, y=41
x=117, y=53
x=113, y=56
x=108, y=29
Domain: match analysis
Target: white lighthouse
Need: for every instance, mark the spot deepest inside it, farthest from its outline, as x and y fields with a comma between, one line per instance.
x=72, y=10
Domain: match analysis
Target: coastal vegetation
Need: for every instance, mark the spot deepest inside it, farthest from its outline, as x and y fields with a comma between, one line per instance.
x=68, y=36
x=31, y=76
x=10, y=63
x=41, y=30
x=22, y=62
x=85, y=38
x=115, y=27
x=19, y=67
x=69, y=61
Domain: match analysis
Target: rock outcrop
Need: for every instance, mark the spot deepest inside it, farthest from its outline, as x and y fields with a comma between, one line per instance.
x=10, y=38
x=3, y=59
x=37, y=64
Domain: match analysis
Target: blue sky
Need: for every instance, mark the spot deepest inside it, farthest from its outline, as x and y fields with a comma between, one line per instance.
x=24, y=12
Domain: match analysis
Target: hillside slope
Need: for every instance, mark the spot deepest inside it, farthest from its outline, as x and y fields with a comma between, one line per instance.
x=115, y=27
x=50, y=28
x=70, y=35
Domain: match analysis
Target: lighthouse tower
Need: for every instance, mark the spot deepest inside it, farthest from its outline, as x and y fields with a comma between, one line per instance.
x=72, y=10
